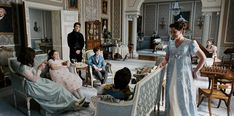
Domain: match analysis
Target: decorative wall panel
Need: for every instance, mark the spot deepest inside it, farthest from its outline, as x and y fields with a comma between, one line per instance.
x=116, y=22
x=7, y=1
x=149, y=19
x=197, y=31
x=6, y=40
x=230, y=24
x=163, y=19
x=91, y=10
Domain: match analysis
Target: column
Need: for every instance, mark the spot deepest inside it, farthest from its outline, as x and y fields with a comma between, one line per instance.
x=206, y=27
x=125, y=30
x=134, y=34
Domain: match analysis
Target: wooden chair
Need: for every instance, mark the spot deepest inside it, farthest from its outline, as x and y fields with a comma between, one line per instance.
x=215, y=92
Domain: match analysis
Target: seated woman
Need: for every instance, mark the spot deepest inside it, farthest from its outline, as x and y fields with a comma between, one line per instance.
x=51, y=96
x=120, y=89
x=98, y=65
x=60, y=74
x=212, y=49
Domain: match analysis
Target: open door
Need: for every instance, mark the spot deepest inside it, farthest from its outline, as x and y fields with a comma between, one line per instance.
x=68, y=18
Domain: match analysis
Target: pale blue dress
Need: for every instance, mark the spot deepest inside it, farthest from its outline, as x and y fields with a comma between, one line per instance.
x=52, y=97
x=180, y=94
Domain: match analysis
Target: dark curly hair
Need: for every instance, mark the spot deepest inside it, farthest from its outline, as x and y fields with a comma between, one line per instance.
x=27, y=57
x=178, y=25
x=122, y=78
x=50, y=54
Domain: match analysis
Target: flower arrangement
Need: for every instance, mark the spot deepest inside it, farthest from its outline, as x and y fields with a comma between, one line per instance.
x=107, y=35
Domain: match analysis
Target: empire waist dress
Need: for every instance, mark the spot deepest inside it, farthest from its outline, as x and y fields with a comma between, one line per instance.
x=180, y=94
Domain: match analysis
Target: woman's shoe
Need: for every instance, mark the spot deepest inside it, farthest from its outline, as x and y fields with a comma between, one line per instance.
x=80, y=103
x=86, y=104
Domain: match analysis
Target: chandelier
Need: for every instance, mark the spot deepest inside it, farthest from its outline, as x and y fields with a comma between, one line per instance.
x=176, y=8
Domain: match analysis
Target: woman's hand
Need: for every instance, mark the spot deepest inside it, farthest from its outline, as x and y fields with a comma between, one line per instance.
x=66, y=63
x=77, y=51
x=41, y=66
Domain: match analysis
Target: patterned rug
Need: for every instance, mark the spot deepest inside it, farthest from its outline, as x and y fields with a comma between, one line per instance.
x=132, y=64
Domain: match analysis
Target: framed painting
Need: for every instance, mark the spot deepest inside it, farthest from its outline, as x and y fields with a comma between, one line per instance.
x=6, y=25
x=104, y=25
x=72, y=4
x=104, y=6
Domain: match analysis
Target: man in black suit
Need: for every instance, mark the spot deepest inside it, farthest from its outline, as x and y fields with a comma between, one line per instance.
x=5, y=21
x=75, y=42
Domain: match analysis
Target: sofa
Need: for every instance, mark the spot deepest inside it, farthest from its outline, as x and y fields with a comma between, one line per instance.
x=145, y=98
x=18, y=81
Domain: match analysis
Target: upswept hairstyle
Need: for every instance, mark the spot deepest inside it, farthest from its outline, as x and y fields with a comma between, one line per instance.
x=27, y=57
x=122, y=78
x=178, y=25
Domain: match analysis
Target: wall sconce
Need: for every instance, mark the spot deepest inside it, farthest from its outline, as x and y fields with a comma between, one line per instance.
x=36, y=28
x=162, y=23
x=200, y=22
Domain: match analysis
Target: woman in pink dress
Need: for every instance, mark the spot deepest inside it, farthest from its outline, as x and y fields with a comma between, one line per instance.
x=60, y=74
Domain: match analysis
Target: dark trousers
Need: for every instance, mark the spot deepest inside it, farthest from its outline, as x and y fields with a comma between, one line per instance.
x=77, y=57
x=100, y=75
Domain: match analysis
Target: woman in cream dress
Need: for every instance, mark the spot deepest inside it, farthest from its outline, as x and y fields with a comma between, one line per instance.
x=60, y=74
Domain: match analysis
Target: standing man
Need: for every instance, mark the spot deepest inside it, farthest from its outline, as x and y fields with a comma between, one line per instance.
x=75, y=42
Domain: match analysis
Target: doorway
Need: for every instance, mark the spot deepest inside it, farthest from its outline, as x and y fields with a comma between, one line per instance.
x=41, y=33
x=40, y=30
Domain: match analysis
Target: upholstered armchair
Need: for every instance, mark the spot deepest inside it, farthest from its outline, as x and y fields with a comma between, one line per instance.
x=88, y=54
x=18, y=81
x=145, y=99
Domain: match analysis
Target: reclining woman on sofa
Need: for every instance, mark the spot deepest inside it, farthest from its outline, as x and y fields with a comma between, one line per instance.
x=51, y=96
x=60, y=74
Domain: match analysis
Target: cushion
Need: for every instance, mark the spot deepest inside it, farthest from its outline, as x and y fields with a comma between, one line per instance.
x=14, y=65
x=88, y=93
x=106, y=98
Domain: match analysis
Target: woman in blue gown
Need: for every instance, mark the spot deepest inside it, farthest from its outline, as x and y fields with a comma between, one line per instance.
x=52, y=97
x=180, y=94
